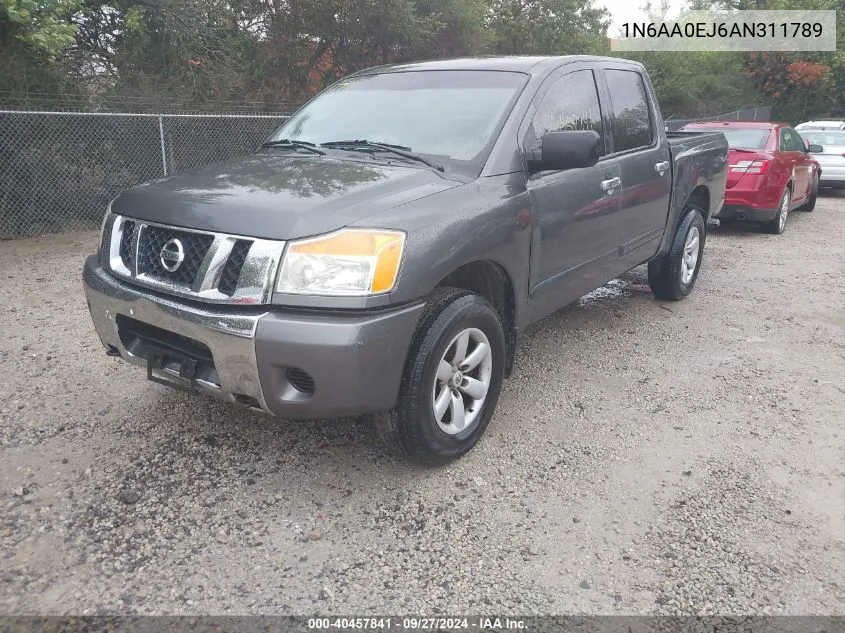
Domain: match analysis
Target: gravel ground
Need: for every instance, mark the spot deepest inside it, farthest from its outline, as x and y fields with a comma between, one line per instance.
x=684, y=458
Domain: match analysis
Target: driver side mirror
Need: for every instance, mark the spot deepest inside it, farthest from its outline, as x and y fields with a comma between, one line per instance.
x=566, y=149
x=815, y=149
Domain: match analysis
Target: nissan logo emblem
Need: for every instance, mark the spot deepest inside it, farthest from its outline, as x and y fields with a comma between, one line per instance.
x=172, y=255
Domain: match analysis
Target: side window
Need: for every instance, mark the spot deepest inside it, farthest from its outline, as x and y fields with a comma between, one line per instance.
x=631, y=118
x=572, y=103
x=794, y=142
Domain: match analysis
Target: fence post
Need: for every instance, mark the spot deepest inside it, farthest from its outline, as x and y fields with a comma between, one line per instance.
x=161, y=136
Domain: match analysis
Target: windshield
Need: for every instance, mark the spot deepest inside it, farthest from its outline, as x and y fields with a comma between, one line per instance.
x=818, y=137
x=452, y=115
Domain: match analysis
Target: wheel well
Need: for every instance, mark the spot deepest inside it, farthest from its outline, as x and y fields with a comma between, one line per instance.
x=492, y=282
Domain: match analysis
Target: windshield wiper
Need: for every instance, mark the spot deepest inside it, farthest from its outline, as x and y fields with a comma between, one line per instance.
x=293, y=143
x=399, y=150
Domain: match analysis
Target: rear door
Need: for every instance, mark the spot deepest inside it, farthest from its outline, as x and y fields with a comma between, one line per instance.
x=644, y=160
x=792, y=148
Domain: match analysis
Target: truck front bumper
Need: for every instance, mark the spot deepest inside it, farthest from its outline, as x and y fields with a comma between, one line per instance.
x=296, y=365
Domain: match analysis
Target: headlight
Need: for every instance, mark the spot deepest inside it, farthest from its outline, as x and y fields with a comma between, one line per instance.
x=354, y=262
x=103, y=223
x=103, y=226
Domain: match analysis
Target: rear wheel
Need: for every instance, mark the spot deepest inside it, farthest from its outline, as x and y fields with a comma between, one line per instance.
x=673, y=276
x=452, y=380
x=778, y=224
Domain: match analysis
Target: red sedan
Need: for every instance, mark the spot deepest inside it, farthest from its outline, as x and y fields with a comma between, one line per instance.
x=770, y=172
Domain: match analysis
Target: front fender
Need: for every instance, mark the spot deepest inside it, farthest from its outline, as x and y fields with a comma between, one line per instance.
x=488, y=219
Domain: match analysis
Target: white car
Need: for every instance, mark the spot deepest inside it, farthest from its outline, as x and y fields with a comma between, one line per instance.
x=832, y=154
x=826, y=124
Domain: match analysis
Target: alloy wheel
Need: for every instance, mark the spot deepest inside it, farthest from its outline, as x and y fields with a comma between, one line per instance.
x=462, y=382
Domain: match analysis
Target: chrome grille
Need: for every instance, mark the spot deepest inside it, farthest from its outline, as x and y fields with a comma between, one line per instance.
x=233, y=267
x=215, y=267
x=153, y=238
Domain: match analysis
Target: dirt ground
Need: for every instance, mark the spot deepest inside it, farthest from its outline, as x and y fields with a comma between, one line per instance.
x=645, y=457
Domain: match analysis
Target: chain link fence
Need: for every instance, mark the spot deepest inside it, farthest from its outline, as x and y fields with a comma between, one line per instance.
x=59, y=170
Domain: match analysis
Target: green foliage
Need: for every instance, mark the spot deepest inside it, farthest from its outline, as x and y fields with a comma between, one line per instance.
x=203, y=52
x=547, y=27
x=698, y=83
x=34, y=38
x=777, y=79
x=42, y=26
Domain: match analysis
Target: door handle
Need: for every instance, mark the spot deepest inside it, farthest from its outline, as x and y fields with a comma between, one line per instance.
x=611, y=183
x=661, y=167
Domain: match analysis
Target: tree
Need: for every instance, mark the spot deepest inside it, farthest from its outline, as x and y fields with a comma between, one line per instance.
x=193, y=51
x=40, y=26
x=800, y=85
x=200, y=53
x=800, y=88
x=33, y=37
x=457, y=28
x=546, y=27
x=310, y=43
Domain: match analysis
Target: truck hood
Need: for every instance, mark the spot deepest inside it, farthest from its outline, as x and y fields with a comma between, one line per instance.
x=277, y=196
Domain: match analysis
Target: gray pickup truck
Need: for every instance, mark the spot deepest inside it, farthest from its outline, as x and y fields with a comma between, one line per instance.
x=381, y=252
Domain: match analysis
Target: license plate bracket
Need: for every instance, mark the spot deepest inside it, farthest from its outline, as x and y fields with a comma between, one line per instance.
x=172, y=369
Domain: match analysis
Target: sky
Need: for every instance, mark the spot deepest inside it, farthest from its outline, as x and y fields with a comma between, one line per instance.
x=622, y=11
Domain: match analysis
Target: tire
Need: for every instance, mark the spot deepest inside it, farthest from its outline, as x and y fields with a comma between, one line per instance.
x=670, y=276
x=814, y=194
x=412, y=428
x=778, y=224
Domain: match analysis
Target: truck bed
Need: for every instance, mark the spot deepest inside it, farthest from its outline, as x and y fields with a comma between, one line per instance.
x=683, y=141
x=699, y=159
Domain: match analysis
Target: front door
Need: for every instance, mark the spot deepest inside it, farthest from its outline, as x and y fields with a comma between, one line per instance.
x=575, y=236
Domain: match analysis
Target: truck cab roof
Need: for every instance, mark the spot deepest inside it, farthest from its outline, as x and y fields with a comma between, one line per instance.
x=532, y=65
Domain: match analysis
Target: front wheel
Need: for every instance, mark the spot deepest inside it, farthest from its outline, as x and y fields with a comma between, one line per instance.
x=451, y=382
x=673, y=276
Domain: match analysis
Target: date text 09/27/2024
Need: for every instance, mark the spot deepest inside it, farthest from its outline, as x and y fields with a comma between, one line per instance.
x=417, y=623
